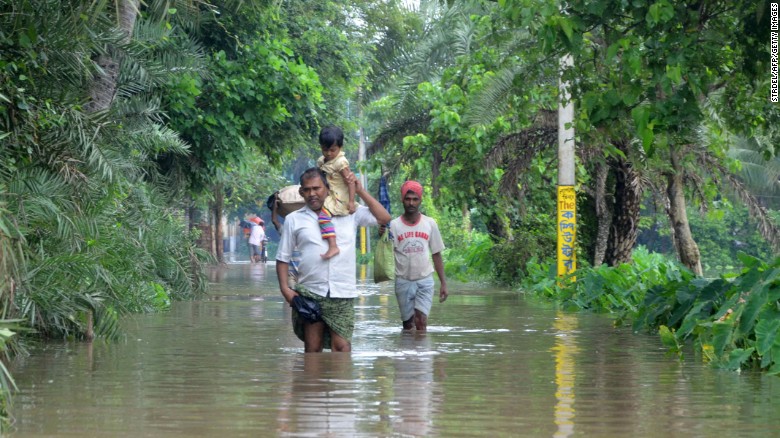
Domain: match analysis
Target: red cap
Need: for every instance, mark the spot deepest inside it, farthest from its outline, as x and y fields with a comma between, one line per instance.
x=413, y=186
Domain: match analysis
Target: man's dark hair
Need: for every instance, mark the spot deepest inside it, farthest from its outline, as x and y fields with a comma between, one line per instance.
x=314, y=172
x=332, y=135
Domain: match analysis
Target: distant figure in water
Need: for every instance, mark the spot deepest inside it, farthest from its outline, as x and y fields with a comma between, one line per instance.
x=256, y=239
x=416, y=240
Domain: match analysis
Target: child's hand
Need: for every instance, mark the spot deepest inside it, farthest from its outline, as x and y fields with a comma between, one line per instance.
x=352, y=207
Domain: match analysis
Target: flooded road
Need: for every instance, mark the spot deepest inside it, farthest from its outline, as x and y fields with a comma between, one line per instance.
x=492, y=364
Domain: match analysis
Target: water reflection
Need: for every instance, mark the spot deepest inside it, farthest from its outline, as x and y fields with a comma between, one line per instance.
x=565, y=350
x=236, y=277
x=322, y=397
x=414, y=386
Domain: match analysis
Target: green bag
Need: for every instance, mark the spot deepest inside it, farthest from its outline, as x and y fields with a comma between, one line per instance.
x=384, y=261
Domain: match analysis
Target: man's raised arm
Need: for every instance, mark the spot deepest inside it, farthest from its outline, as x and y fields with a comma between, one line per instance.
x=374, y=206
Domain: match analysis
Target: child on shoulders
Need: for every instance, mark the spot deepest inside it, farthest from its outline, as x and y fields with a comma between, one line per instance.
x=341, y=201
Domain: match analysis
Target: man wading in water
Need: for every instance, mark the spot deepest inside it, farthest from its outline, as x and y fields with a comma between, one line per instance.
x=416, y=240
x=328, y=284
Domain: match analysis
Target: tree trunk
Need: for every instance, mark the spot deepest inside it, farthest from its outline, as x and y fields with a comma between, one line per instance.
x=466, y=218
x=625, y=217
x=191, y=216
x=498, y=227
x=603, y=215
x=89, y=335
x=218, y=206
x=686, y=247
x=496, y=220
x=103, y=88
x=435, y=172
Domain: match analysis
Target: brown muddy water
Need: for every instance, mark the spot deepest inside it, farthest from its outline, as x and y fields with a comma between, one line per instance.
x=492, y=364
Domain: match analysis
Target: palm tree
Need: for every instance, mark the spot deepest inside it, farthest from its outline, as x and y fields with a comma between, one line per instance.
x=755, y=183
x=448, y=33
x=61, y=196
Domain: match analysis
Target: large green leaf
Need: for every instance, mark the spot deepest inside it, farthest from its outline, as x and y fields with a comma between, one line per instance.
x=774, y=365
x=766, y=335
x=669, y=340
x=721, y=336
x=738, y=357
x=756, y=299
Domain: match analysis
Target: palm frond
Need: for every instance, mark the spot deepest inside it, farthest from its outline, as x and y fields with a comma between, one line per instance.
x=766, y=225
x=515, y=152
x=759, y=172
x=493, y=98
x=399, y=128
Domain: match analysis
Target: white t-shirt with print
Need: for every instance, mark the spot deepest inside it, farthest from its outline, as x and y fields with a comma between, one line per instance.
x=413, y=246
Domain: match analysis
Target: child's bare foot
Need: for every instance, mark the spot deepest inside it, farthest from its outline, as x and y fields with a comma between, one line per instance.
x=330, y=253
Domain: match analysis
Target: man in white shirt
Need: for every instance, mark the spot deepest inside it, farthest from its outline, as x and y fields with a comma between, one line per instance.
x=256, y=238
x=331, y=282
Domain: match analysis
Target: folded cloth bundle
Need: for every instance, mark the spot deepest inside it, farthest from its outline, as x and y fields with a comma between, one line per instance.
x=307, y=308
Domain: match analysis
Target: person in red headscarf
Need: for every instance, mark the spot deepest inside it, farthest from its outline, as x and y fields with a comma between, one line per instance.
x=416, y=242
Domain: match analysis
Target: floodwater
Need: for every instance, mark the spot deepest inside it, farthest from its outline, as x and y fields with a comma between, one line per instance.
x=492, y=364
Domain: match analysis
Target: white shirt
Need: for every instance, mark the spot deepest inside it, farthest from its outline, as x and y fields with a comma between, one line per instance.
x=257, y=235
x=337, y=275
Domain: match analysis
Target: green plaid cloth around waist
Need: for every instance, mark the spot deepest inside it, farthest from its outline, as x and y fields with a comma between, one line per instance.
x=337, y=313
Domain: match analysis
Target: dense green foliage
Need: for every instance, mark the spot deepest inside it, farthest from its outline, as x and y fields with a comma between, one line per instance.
x=722, y=233
x=88, y=230
x=732, y=320
x=246, y=105
x=618, y=290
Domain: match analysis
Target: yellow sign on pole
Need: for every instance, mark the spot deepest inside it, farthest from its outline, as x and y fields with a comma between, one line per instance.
x=567, y=230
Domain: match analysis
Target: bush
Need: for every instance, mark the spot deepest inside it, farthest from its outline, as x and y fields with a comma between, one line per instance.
x=472, y=262
x=733, y=321
x=511, y=257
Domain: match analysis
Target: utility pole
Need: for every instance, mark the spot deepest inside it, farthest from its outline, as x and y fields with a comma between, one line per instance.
x=567, y=198
x=365, y=239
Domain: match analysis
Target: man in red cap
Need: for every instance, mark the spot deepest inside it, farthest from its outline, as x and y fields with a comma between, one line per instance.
x=416, y=240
